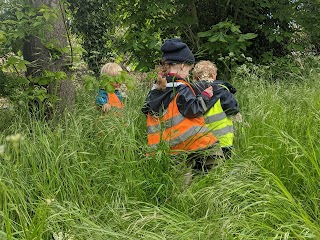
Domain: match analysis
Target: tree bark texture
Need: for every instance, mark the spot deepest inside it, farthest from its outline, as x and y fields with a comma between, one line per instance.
x=43, y=59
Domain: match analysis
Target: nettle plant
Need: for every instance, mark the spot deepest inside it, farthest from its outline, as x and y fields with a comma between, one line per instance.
x=21, y=20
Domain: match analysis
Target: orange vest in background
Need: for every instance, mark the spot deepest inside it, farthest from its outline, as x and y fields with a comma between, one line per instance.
x=114, y=100
x=179, y=132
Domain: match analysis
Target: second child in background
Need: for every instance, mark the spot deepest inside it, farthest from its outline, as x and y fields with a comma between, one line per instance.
x=222, y=106
x=105, y=101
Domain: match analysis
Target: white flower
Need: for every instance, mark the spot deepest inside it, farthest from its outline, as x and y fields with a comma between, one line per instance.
x=231, y=54
x=62, y=236
x=49, y=201
x=58, y=236
x=15, y=138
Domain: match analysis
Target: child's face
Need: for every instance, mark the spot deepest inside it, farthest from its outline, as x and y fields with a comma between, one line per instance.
x=185, y=70
x=214, y=75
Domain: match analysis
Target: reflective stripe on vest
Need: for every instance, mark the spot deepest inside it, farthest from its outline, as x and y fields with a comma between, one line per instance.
x=114, y=100
x=169, y=84
x=220, y=125
x=179, y=132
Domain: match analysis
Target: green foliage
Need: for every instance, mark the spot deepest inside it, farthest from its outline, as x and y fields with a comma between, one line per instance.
x=88, y=177
x=21, y=20
x=95, y=23
x=308, y=18
x=116, y=31
x=108, y=82
x=144, y=47
x=226, y=43
x=20, y=89
x=10, y=85
x=132, y=31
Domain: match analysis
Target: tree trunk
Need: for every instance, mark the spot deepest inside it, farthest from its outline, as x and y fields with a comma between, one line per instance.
x=43, y=59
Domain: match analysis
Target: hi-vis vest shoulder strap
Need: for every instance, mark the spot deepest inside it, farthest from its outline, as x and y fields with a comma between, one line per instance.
x=114, y=100
x=220, y=125
x=179, y=132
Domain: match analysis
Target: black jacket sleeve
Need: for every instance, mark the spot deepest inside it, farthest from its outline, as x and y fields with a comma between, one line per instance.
x=190, y=105
x=228, y=100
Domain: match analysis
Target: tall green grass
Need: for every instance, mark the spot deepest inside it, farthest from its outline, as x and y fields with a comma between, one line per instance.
x=88, y=177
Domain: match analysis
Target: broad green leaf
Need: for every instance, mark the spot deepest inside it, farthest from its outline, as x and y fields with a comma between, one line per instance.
x=241, y=39
x=130, y=84
x=47, y=15
x=42, y=97
x=271, y=38
x=64, y=49
x=205, y=34
x=248, y=36
x=222, y=37
x=12, y=60
x=22, y=80
x=88, y=86
x=109, y=88
x=88, y=78
x=214, y=37
x=44, y=81
x=60, y=75
x=3, y=37
x=105, y=79
x=279, y=38
x=22, y=66
x=235, y=29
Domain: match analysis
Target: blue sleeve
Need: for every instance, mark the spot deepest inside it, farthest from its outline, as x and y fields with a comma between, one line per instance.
x=102, y=98
x=117, y=92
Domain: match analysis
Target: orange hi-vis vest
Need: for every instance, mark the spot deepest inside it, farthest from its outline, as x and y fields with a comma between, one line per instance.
x=179, y=132
x=114, y=100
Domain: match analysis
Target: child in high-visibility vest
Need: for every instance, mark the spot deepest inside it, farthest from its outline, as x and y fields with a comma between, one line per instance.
x=175, y=112
x=222, y=106
x=105, y=101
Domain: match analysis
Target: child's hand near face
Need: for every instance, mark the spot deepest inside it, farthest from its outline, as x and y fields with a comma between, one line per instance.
x=209, y=91
x=106, y=107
